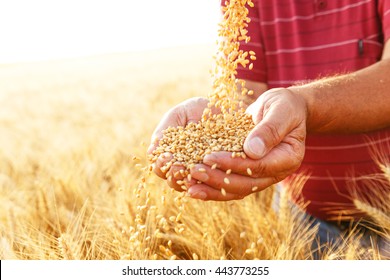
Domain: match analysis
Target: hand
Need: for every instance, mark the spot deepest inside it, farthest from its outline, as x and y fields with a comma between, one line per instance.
x=188, y=111
x=275, y=149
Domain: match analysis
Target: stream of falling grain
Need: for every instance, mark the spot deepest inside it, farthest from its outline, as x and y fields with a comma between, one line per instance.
x=226, y=130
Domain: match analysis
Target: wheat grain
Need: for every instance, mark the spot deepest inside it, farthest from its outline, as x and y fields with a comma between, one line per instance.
x=227, y=130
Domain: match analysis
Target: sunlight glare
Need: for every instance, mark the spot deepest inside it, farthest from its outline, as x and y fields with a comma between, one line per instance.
x=47, y=29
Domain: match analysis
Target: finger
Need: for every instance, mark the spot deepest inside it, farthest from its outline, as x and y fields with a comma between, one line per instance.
x=281, y=160
x=275, y=117
x=160, y=166
x=230, y=183
x=173, y=172
x=225, y=161
x=204, y=192
x=264, y=136
x=176, y=177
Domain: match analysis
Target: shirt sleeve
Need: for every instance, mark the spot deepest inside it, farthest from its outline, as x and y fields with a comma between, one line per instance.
x=384, y=14
x=258, y=72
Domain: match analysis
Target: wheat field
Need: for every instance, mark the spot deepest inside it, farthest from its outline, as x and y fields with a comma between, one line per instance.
x=74, y=180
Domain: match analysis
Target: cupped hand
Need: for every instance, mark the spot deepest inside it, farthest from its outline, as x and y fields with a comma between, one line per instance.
x=184, y=113
x=275, y=149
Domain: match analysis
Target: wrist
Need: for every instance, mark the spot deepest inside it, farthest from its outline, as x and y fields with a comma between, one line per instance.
x=305, y=100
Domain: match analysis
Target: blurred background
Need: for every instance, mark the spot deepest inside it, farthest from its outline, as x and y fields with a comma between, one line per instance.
x=82, y=86
x=52, y=29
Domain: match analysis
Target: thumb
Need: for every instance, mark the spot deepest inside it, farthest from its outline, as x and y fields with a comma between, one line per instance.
x=262, y=139
x=272, y=124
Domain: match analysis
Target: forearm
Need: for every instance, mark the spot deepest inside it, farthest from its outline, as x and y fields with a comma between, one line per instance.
x=351, y=103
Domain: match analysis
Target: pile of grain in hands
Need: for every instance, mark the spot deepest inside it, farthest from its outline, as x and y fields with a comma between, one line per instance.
x=227, y=130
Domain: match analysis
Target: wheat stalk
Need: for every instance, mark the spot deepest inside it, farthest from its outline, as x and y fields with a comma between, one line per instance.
x=67, y=247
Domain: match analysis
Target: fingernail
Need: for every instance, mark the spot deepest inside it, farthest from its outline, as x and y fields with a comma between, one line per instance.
x=197, y=194
x=209, y=159
x=255, y=148
x=200, y=174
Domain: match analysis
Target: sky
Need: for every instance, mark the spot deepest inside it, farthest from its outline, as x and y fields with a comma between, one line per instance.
x=33, y=30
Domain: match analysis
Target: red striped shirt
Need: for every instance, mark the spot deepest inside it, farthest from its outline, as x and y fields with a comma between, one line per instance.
x=302, y=40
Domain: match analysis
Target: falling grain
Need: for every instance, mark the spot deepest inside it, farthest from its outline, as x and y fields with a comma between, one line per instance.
x=227, y=130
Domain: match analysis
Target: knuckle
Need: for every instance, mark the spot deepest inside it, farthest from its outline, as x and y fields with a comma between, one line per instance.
x=258, y=169
x=272, y=133
x=295, y=163
x=296, y=157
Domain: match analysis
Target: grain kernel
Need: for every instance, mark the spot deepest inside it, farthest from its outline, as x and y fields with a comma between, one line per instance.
x=226, y=130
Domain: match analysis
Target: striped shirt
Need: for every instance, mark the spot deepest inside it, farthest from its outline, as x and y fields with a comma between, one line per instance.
x=302, y=40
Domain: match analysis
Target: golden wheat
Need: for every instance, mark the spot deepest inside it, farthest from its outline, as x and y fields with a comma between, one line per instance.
x=70, y=131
